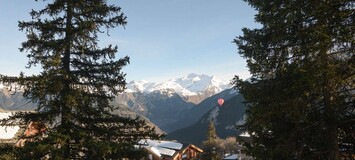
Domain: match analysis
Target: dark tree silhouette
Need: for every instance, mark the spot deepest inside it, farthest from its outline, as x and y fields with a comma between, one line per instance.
x=211, y=146
x=76, y=84
x=301, y=96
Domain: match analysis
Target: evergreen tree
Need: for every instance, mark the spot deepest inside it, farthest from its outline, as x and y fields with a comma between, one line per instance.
x=211, y=144
x=301, y=96
x=76, y=85
x=230, y=145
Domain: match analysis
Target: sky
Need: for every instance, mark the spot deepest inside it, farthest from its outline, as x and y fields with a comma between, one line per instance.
x=164, y=39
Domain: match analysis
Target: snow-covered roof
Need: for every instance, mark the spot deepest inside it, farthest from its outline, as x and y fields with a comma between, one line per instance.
x=8, y=132
x=163, y=144
x=171, y=145
x=244, y=134
x=233, y=156
x=165, y=151
x=155, y=150
x=161, y=147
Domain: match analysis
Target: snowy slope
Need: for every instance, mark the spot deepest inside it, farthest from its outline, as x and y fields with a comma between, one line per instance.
x=7, y=132
x=192, y=84
x=139, y=86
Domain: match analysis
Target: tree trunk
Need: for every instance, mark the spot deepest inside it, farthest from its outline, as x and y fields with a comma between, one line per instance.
x=332, y=134
x=66, y=79
x=330, y=111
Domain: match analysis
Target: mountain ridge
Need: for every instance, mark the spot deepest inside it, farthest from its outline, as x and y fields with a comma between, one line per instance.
x=190, y=85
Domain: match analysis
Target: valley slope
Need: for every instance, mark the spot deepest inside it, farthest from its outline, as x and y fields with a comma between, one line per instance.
x=225, y=119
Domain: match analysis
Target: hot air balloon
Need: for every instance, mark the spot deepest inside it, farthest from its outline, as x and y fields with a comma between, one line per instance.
x=220, y=101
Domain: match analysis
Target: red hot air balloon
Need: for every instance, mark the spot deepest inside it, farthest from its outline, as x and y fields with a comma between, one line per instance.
x=220, y=101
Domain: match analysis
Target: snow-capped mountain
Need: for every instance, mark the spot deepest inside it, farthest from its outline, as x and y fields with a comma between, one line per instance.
x=190, y=85
x=167, y=104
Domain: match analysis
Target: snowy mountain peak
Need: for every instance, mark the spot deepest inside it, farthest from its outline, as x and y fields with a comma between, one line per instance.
x=139, y=86
x=192, y=84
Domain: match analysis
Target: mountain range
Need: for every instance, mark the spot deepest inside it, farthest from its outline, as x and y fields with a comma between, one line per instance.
x=174, y=106
x=193, y=87
x=169, y=104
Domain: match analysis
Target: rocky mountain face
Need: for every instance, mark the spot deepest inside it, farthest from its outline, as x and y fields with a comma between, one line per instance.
x=125, y=111
x=225, y=118
x=10, y=100
x=162, y=108
x=14, y=101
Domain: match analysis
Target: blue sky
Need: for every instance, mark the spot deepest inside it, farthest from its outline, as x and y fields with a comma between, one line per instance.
x=164, y=38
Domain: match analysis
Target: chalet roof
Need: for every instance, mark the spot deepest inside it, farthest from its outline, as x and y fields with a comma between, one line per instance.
x=233, y=156
x=160, y=147
x=192, y=146
x=244, y=134
x=165, y=151
x=163, y=144
x=245, y=137
x=154, y=150
x=171, y=145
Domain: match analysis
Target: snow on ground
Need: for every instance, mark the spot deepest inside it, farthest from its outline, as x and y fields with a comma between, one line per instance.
x=10, y=131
